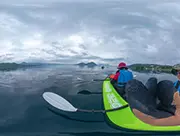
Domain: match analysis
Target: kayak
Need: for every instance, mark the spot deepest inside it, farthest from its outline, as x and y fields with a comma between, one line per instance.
x=124, y=119
x=117, y=111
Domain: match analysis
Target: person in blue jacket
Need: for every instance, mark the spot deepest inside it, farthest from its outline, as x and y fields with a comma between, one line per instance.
x=122, y=76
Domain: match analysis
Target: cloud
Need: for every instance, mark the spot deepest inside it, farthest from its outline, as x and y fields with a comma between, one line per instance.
x=102, y=31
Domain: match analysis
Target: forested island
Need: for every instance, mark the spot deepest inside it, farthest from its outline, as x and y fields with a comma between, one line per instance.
x=89, y=64
x=135, y=67
x=151, y=67
x=155, y=68
x=15, y=66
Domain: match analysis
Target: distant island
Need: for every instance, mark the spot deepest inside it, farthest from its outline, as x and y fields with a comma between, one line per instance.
x=15, y=66
x=24, y=65
x=155, y=68
x=89, y=64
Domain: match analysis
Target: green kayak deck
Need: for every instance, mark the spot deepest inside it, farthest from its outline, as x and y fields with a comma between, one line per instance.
x=124, y=118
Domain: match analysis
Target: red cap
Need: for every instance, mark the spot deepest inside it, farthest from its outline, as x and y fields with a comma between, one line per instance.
x=122, y=65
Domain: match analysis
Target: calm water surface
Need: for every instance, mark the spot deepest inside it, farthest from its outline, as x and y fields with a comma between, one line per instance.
x=24, y=112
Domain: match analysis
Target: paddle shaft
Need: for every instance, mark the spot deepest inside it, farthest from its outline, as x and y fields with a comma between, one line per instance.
x=86, y=92
x=98, y=80
x=106, y=78
x=101, y=79
x=102, y=111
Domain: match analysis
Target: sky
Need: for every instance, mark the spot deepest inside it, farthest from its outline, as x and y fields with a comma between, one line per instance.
x=103, y=31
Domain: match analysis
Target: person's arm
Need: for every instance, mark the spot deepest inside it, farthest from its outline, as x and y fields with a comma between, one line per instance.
x=116, y=76
x=113, y=80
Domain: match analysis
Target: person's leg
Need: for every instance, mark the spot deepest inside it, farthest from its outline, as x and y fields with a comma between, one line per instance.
x=165, y=92
x=151, y=85
x=120, y=90
x=169, y=121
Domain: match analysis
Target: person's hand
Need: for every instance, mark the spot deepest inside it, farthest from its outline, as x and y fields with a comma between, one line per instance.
x=111, y=76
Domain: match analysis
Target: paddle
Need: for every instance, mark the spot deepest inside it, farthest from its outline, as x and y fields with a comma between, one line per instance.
x=106, y=78
x=98, y=80
x=62, y=104
x=86, y=92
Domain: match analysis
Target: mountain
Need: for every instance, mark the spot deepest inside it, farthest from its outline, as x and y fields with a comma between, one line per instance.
x=81, y=64
x=89, y=64
x=151, y=67
x=8, y=66
x=15, y=66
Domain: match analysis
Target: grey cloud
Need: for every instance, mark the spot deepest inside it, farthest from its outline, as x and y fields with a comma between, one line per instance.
x=133, y=31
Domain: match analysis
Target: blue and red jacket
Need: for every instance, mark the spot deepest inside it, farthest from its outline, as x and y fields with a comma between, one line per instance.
x=122, y=77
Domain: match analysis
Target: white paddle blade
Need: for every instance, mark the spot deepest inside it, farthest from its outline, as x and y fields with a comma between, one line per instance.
x=58, y=102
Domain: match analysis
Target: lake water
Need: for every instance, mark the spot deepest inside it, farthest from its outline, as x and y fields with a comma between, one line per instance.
x=23, y=111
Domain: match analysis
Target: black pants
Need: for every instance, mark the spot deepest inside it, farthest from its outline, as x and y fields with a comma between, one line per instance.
x=144, y=97
x=120, y=90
